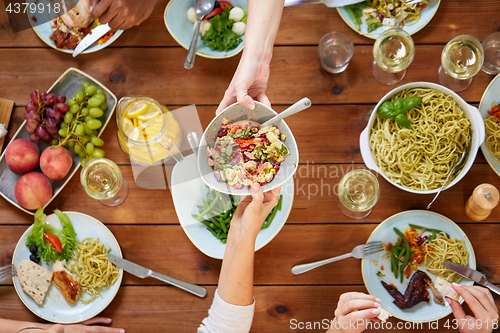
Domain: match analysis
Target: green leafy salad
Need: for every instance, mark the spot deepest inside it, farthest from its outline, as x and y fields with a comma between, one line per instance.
x=49, y=243
x=220, y=36
x=222, y=28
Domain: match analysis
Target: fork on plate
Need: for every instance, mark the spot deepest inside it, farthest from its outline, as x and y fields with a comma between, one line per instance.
x=7, y=272
x=358, y=252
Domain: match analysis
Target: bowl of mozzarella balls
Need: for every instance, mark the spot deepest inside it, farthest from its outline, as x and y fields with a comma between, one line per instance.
x=222, y=31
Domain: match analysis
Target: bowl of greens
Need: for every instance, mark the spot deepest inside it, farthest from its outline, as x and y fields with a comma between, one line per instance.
x=221, y=32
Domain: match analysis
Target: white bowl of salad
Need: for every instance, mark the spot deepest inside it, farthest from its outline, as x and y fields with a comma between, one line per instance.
x=224, y=40
x=236, y=152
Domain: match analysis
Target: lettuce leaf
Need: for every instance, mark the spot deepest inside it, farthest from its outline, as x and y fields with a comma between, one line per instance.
x=220, y=35
x=66, y=235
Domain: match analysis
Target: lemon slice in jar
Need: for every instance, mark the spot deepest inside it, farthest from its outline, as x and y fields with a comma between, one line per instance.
x=127, y=124
x=137, y=110
x=149, y=116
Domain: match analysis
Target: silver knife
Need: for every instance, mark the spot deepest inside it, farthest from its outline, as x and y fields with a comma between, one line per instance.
x=91, y=38
x=471, y=274
x=328, y=3
x=142, y=272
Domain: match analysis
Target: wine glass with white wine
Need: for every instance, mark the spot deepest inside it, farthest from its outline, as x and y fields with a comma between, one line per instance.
x=393, y=52
x=358, y=192
x=102, y=179
x=461, y=59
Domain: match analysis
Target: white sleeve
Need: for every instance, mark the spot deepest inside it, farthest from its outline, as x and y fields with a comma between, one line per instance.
x=227, y=318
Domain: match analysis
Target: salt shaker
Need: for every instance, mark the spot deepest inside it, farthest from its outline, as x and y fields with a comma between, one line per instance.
x=482, y=201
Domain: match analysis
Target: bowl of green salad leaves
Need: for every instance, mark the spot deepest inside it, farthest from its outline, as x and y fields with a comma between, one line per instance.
x=222, y=31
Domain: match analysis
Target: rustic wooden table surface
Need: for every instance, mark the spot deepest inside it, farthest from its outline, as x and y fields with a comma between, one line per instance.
x=147, y=61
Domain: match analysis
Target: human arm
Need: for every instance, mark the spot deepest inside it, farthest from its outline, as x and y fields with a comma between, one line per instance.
x=14, y=326
x=353, y=311
x=232, y=309
x=249, y=82
x=482, y=305
x=121, y=14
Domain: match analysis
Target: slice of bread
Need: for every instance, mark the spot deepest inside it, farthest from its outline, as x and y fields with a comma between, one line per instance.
x=445, y=288
x=34, y=279
x=383, y=315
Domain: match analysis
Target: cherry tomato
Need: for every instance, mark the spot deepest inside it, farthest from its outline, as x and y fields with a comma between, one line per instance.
x=54, y=241
x=215, y=11
x=225, y=4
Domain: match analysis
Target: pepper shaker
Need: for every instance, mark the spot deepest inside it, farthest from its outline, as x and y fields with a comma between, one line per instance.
x=482, y=201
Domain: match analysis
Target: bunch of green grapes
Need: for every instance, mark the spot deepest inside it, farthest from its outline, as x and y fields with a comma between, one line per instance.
x=79, y=130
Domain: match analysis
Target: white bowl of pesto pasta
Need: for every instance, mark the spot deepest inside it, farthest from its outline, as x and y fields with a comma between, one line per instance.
x=418, y=159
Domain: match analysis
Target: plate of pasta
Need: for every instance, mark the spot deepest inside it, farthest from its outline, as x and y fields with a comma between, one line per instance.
x=99, y=279
x=447, y=242
x=370, y=20
x=415, y=148
x=490, y=111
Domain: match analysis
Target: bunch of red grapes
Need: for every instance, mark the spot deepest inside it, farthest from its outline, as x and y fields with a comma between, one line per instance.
x=43, y=115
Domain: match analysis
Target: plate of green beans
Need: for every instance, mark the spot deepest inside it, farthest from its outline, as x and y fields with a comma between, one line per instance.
x=389, y=266
x=205, y=215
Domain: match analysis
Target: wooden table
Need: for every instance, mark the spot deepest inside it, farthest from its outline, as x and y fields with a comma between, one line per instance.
x=147, y=61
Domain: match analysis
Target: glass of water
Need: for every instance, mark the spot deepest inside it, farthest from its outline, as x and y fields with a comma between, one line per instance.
x=335, y=52
x=491, y=46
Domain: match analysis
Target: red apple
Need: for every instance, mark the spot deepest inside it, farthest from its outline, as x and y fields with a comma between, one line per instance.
x=22, y=156
x=56, y=162
x=33, y=190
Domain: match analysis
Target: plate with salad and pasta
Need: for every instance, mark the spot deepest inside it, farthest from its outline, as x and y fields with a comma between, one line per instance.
x=371, y=17
x=416, y=245
x=490, y=111
x=69, y=249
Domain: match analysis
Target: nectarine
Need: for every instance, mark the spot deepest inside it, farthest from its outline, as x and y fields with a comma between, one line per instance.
x=33, y=190
x=22, y=156
x=56, y=162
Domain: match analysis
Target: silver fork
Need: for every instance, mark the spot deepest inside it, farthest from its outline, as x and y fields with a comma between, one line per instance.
x=358, y=252
x=6, y=272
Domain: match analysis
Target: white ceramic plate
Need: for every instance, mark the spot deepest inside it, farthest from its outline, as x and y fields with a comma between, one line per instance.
x=491, y=96
x=68, y=84
x=181, y=29
x=384, y=232
x=426, y=16
x=54, y=307
x=44, y=31
x=188, y=190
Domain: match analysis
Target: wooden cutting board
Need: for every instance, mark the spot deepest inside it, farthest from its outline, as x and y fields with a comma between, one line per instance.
x=6, y=107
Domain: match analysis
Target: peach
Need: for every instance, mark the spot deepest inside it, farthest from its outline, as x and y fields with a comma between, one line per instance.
x=56, y=162
x=33, y=190
x=22, y=156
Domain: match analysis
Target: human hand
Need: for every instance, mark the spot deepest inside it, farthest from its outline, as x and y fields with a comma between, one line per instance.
x=481, y=304
x=121, y=14
x=351, y=308
x=252, y=211
x=84, y=328
x=249, y=83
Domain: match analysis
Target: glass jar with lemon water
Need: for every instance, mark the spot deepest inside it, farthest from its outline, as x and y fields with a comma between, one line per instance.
x=147, y=131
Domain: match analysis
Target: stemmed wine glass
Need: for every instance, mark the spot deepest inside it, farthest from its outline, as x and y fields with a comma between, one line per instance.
x=102, y=179
x=461, y=59
x=393, y=52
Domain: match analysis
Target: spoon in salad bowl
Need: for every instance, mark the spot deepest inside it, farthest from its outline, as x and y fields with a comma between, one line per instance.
x=301, y=105
x=202, y=8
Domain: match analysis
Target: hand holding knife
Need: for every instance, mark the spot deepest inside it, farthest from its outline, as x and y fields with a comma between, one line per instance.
x=471, y=274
